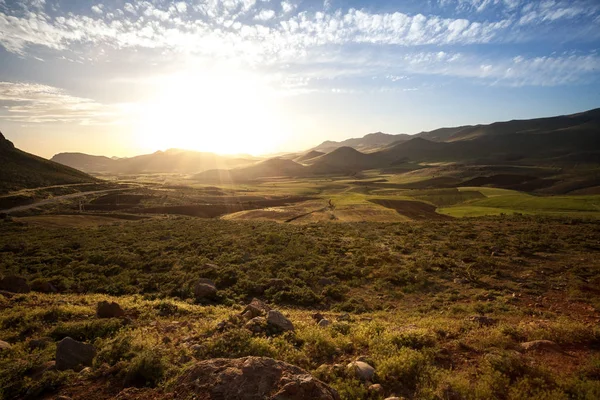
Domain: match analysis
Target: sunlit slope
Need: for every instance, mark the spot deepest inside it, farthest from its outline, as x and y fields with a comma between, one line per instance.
x=21, y=170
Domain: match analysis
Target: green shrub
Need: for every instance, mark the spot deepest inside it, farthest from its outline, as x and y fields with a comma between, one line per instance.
x=147, y=368
x=86, y=330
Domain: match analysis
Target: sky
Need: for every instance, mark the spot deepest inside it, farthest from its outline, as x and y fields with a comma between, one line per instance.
x=122, y=78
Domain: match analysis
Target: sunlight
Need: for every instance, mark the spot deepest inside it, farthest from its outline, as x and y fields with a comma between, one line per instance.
x=226, y=113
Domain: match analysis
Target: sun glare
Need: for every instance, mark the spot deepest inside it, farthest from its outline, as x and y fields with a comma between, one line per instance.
x=226, y=113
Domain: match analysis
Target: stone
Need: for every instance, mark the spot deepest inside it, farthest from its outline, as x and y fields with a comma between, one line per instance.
x=14, y=284
x=43, y=287
x=256, y=308
x=106, y=309
x=541, y=345
x=344, y=317
x=4, y=345
x=256, y=324
x=250, y=378
x=207, y=282
x=204, y=289
x=317, y=317
x=361, y=370
x=376, y=388
x=276, y=319
x=324, y=323
x=483, y=320
x=71, y=354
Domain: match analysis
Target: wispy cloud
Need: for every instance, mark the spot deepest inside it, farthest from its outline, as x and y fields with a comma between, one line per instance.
x=34, y=103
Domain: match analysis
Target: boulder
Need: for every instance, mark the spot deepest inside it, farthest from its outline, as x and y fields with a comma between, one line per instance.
x=14, y=284
x=205, y=289
x=361, y=370
x=43, y=287
x=276, y=319
x=376, y=388
x=256, y=324
x=71, y=354
x=541, y=345
x=317, y=317
x=106, y=309
x=256, y=308
x=4, y=345
x=250, y=378
x=324, y=322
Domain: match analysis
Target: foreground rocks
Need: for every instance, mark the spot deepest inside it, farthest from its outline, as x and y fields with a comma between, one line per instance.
x=361, y=370
x=205, y=289
x=541, y=345
x=276, y=319
x=106, y=309
x=71, y=354
x=14, y=284
x=251, y=378
x=260, y=318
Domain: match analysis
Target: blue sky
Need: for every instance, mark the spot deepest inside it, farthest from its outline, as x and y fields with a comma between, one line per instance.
x=128, y=77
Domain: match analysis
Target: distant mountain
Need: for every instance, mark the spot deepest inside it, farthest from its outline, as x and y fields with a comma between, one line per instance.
x=21, y=170
x=367, y=143
x=170, y=161
x=556, y=141
x=272, y=168
x=344, y=160
x=309, y=156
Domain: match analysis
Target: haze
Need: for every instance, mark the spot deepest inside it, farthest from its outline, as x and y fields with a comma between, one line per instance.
x=244, y=76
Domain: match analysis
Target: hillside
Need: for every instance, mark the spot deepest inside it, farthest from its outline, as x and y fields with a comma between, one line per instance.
x=274, y=167
x=169, y=161
x=344, y=160
x=370, y=142
x=309, y=156
x=21, y=170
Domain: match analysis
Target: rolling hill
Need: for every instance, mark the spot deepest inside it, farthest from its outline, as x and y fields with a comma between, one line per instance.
x=274, y=167
x=169, y=161
x=21, y=170
x=368, y=143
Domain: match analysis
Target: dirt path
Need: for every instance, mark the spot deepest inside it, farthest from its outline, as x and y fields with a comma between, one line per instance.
x=25, y=191
x=57, y=199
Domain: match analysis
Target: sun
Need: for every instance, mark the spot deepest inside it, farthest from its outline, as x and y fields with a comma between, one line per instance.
x=220, y=112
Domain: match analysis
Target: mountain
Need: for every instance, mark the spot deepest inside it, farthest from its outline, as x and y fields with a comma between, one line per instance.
x=309, y=156
x=367, y=143
x=169, y=161
x=21, y=170
x=274, y=167
x=344, y=160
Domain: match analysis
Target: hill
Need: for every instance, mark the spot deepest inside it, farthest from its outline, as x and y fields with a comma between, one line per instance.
x=370, y=142
x=21, y=170
x=169, y=161
x=309, y=156
x=344, y=160
x=274, y=167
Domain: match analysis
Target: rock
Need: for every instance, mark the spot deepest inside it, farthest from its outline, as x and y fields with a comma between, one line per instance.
x=104, y=309
x=541, y=345
x=256, y=308
x=361, y=370
x=394, y=398
x=43, y=287
x=276, y=319
x=250, y=378
x=205, y=289
x=71, y=354
x=324, y=322
x=344, y=317
x=317, y=317
x=376, y=388
x=483, y=320
x=256, y=324
x=14, y=284
x=4, y=345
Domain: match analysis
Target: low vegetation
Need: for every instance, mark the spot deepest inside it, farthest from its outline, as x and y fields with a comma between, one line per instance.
x=439, y=308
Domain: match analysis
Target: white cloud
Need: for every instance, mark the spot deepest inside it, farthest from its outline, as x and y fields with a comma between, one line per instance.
x=287, y=7
x=35, y=103
x=265, y=15
x=97, y=9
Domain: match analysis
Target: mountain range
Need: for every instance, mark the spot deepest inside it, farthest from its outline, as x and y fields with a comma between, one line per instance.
x=169, y=161
x=564, y=140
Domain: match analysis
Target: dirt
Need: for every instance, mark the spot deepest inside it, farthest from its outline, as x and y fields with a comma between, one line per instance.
x=412, y=209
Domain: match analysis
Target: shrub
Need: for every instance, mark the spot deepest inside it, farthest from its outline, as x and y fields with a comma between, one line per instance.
x=147, y=368
x=86, y=330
